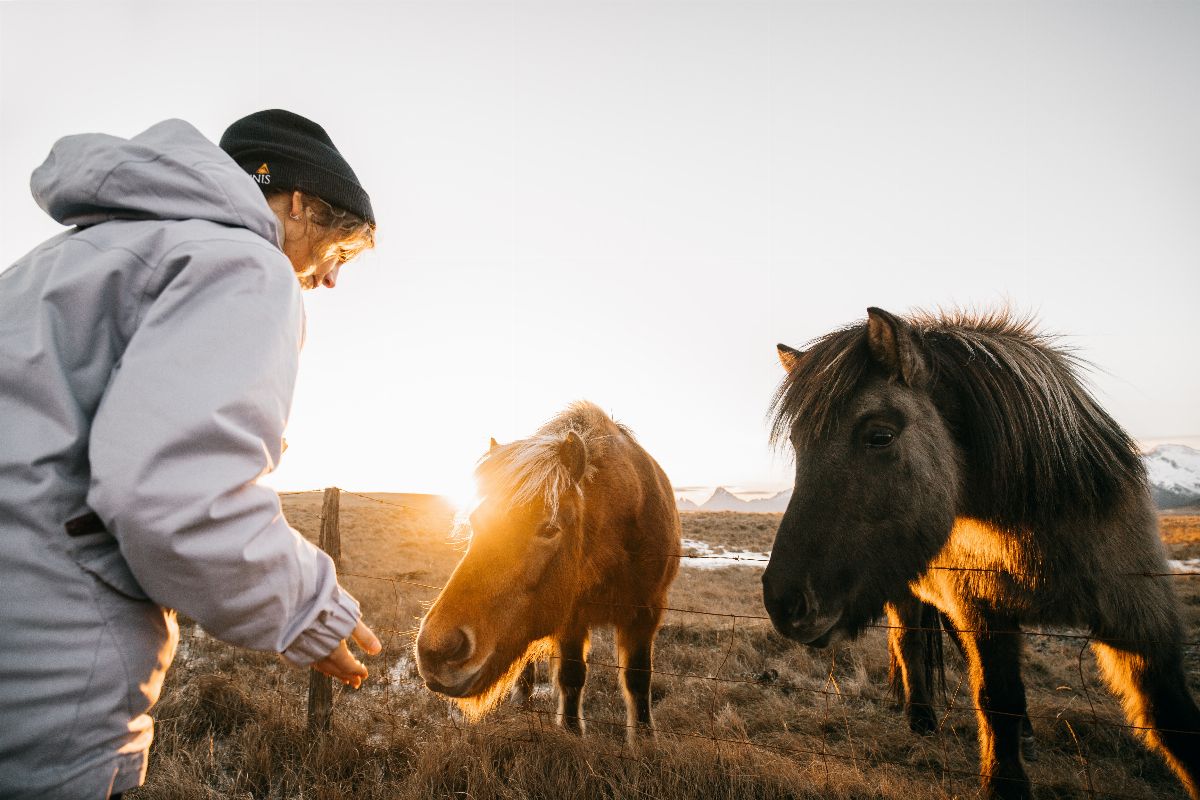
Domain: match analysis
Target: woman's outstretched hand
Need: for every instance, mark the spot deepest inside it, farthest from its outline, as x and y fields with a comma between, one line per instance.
x=341, y=663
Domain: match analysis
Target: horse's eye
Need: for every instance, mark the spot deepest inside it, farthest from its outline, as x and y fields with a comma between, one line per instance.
x=548, y=530
x=879, y=437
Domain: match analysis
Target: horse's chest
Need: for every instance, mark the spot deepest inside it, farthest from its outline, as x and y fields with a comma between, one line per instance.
x=984, y=564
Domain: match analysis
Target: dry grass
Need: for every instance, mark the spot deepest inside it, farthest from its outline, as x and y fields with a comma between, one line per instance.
x=741, y=712
x=1181, y=532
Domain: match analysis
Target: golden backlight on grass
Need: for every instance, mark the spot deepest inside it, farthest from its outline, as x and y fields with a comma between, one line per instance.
x=231, y=722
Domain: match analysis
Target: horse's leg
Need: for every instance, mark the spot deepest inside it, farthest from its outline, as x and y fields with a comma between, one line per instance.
x=1028, y=743
x=1154, y=691
x=569, y=679
x=523, y=689
x=992, y=645
x=910, y=668
x=635, y=653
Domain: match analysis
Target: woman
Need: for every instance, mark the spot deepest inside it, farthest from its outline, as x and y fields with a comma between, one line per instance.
x=147, y=361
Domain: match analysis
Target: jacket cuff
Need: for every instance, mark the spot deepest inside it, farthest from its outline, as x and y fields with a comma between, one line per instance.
x=334, y=623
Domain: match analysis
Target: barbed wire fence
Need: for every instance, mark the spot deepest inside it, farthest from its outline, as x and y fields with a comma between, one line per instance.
x=322, y=698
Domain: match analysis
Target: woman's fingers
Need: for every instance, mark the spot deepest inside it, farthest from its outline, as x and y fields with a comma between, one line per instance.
x=365, y=638
x=341, y=663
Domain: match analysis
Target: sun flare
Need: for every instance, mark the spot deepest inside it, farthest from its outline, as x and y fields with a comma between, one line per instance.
x=463, y=494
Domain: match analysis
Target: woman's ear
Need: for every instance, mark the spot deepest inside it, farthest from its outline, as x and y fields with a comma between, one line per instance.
x=297, y=205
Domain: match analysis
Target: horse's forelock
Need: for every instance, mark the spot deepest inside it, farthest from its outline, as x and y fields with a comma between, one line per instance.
x=823, y=378
x=524, y=471
x=531, y=469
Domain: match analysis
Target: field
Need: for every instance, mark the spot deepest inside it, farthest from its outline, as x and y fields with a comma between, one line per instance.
x=741, y=712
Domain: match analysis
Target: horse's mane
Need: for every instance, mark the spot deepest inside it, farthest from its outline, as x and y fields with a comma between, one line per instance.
x=1036, y=443
x=527, y=469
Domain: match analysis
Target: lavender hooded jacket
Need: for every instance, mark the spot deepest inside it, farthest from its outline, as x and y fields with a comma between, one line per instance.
x=147, y=361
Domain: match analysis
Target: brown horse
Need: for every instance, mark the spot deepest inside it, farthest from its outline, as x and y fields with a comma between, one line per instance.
x=960, y=459
x=577, y=528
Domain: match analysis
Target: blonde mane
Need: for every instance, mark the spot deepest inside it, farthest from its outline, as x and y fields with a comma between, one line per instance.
x=531, y=469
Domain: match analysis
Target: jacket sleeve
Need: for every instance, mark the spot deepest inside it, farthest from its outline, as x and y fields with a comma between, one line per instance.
x=192, y=417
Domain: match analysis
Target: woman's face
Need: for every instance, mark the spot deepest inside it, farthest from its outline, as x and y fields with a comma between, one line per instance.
x=315, y=264
x=300, y=251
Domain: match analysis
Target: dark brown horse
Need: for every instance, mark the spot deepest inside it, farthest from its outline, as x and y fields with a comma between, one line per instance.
x=577, y=528
x=960, y=459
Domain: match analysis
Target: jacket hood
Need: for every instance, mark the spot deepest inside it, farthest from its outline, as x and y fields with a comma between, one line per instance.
x=168, y=172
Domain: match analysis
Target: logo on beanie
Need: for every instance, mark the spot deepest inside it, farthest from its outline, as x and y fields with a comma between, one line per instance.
x=263, y=174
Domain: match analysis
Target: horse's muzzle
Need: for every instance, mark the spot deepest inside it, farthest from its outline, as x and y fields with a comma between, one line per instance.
x=442, y=658
x=796, y=613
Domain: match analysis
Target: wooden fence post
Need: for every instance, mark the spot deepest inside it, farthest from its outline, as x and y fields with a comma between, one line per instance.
x=320, y=687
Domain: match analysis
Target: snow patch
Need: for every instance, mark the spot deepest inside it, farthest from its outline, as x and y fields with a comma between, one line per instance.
x=701, y=555
x=401, y=672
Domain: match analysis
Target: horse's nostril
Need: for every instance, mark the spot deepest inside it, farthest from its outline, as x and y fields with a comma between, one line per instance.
x=456, y=645
x=462, y=646
x=790, y=604
x=798, y=610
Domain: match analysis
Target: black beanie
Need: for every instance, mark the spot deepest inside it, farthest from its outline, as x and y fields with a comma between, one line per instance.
x=284, y=150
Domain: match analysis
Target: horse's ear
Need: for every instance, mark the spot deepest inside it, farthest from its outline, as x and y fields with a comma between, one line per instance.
x=894, y=346
x=573, y=453
x=492, y=444
x=788, y=356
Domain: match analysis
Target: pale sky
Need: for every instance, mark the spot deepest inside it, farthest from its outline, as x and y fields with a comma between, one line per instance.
x=632, y=202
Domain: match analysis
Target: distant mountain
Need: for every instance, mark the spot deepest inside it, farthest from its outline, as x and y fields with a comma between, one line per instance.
x=724, y=500
x=1174, y=473
x=775, y=503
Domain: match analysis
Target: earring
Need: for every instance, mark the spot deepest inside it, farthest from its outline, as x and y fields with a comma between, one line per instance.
x=294, y=216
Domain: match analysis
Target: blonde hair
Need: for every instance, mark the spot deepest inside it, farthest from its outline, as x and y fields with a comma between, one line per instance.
x=333, y=231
